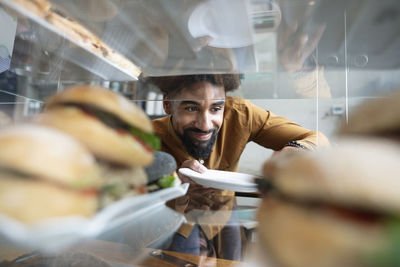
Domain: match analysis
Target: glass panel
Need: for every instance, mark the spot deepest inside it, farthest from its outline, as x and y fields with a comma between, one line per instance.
x=310, y=61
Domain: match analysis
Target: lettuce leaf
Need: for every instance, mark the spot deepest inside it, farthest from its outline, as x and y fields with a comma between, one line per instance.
x=149, y=139
x=389, y=256
x=166, y=181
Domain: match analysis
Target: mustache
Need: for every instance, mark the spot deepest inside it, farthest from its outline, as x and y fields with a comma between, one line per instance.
x=196, y=130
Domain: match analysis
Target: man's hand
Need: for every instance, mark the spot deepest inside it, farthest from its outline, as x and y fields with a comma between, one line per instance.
x=201, y=42
x=287, y=149
x=294, y=47
x=291, y=149
x=198, y=196
x=194, y=165
x=271, y=164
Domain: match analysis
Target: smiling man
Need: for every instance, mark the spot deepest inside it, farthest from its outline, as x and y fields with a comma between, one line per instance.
x=204, y=125
x=207, y=129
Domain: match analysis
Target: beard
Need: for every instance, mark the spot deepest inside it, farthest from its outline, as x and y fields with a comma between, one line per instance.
x=198, y=149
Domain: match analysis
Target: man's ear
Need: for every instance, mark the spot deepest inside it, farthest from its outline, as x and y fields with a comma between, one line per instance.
x=167, y=105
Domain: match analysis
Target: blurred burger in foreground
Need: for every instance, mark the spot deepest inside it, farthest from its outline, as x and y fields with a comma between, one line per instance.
x=115, y=130
x=45, y=173
x=378, y=117
x=111, y=126
x=334, y=207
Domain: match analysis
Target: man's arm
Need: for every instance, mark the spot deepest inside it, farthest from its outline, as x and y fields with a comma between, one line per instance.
x=275, y=132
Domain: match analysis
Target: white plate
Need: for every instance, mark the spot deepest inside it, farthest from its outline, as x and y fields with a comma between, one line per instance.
x=57, y=234
x=233, y=181
x=228, y=27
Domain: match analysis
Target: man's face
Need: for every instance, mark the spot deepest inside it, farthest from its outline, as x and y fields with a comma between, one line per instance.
x=197, y=115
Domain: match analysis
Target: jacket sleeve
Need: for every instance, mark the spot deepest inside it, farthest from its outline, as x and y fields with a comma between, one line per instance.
x=274, y=132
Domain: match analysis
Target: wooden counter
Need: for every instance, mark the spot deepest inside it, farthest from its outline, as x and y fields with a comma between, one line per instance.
x=120, y=253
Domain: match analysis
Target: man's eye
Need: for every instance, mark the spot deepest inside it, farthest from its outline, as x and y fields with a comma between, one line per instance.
x=216, y=109
x=191, y=109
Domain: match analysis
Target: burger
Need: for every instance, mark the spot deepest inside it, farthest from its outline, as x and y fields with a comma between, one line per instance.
x=162, y=172
x=375, y=117
x=333, y=207
x=114, y=129
x=45, y=173
x=111, y=126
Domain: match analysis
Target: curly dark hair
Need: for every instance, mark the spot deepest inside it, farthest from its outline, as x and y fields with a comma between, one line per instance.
x=171, y=85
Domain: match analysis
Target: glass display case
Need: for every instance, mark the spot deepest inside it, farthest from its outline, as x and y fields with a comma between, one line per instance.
x=311, y=61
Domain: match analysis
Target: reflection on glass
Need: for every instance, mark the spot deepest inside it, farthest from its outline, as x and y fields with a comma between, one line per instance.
x=309, y=61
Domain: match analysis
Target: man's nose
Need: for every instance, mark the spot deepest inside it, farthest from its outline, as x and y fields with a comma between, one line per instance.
x=204, y=122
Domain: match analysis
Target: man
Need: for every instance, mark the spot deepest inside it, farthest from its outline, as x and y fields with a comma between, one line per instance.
x=207, y=129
